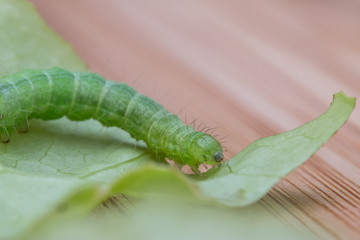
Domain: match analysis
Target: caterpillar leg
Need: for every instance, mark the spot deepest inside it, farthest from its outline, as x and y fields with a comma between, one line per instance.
x=178, y=165
x=160, y=158
x=23, y=128
x=5, y=139
x=195, y=169
x=5, y=134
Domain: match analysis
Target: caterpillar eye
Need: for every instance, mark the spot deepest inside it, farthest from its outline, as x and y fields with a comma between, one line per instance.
x=218, y=156
x=203, y=156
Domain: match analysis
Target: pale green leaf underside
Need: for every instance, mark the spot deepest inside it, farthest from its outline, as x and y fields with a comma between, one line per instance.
x=162, y=220
x=246, y=177
x=63, y=148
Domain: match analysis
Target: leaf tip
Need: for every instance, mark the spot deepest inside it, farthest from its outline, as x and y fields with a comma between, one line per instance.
x=344, y=97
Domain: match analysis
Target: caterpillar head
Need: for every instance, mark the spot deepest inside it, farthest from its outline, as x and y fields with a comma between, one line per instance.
x=206, y=149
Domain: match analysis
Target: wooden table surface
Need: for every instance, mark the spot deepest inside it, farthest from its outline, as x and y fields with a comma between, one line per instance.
x=249, y=68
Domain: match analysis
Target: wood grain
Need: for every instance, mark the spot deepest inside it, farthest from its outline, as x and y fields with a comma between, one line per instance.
x=250, y=68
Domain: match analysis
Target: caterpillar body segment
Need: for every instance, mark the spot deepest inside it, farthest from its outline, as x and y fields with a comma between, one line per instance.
x=54, y=93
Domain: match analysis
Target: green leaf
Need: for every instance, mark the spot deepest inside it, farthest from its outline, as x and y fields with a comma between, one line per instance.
x=64, y=148
x=248, y=176
x=29, y=200
x=26, y=42
x=62, y=163
x=163, y=220
x=156, y=182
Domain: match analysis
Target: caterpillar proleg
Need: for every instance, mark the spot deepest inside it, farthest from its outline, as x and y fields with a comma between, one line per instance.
x=54, y=93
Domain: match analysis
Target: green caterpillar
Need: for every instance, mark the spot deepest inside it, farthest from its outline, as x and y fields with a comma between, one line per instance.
x=54, y=93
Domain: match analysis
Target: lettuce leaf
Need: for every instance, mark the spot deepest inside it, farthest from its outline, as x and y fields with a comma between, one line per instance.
x=247, y=177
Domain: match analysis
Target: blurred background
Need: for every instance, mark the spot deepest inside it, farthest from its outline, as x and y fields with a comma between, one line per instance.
x=248, y=69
